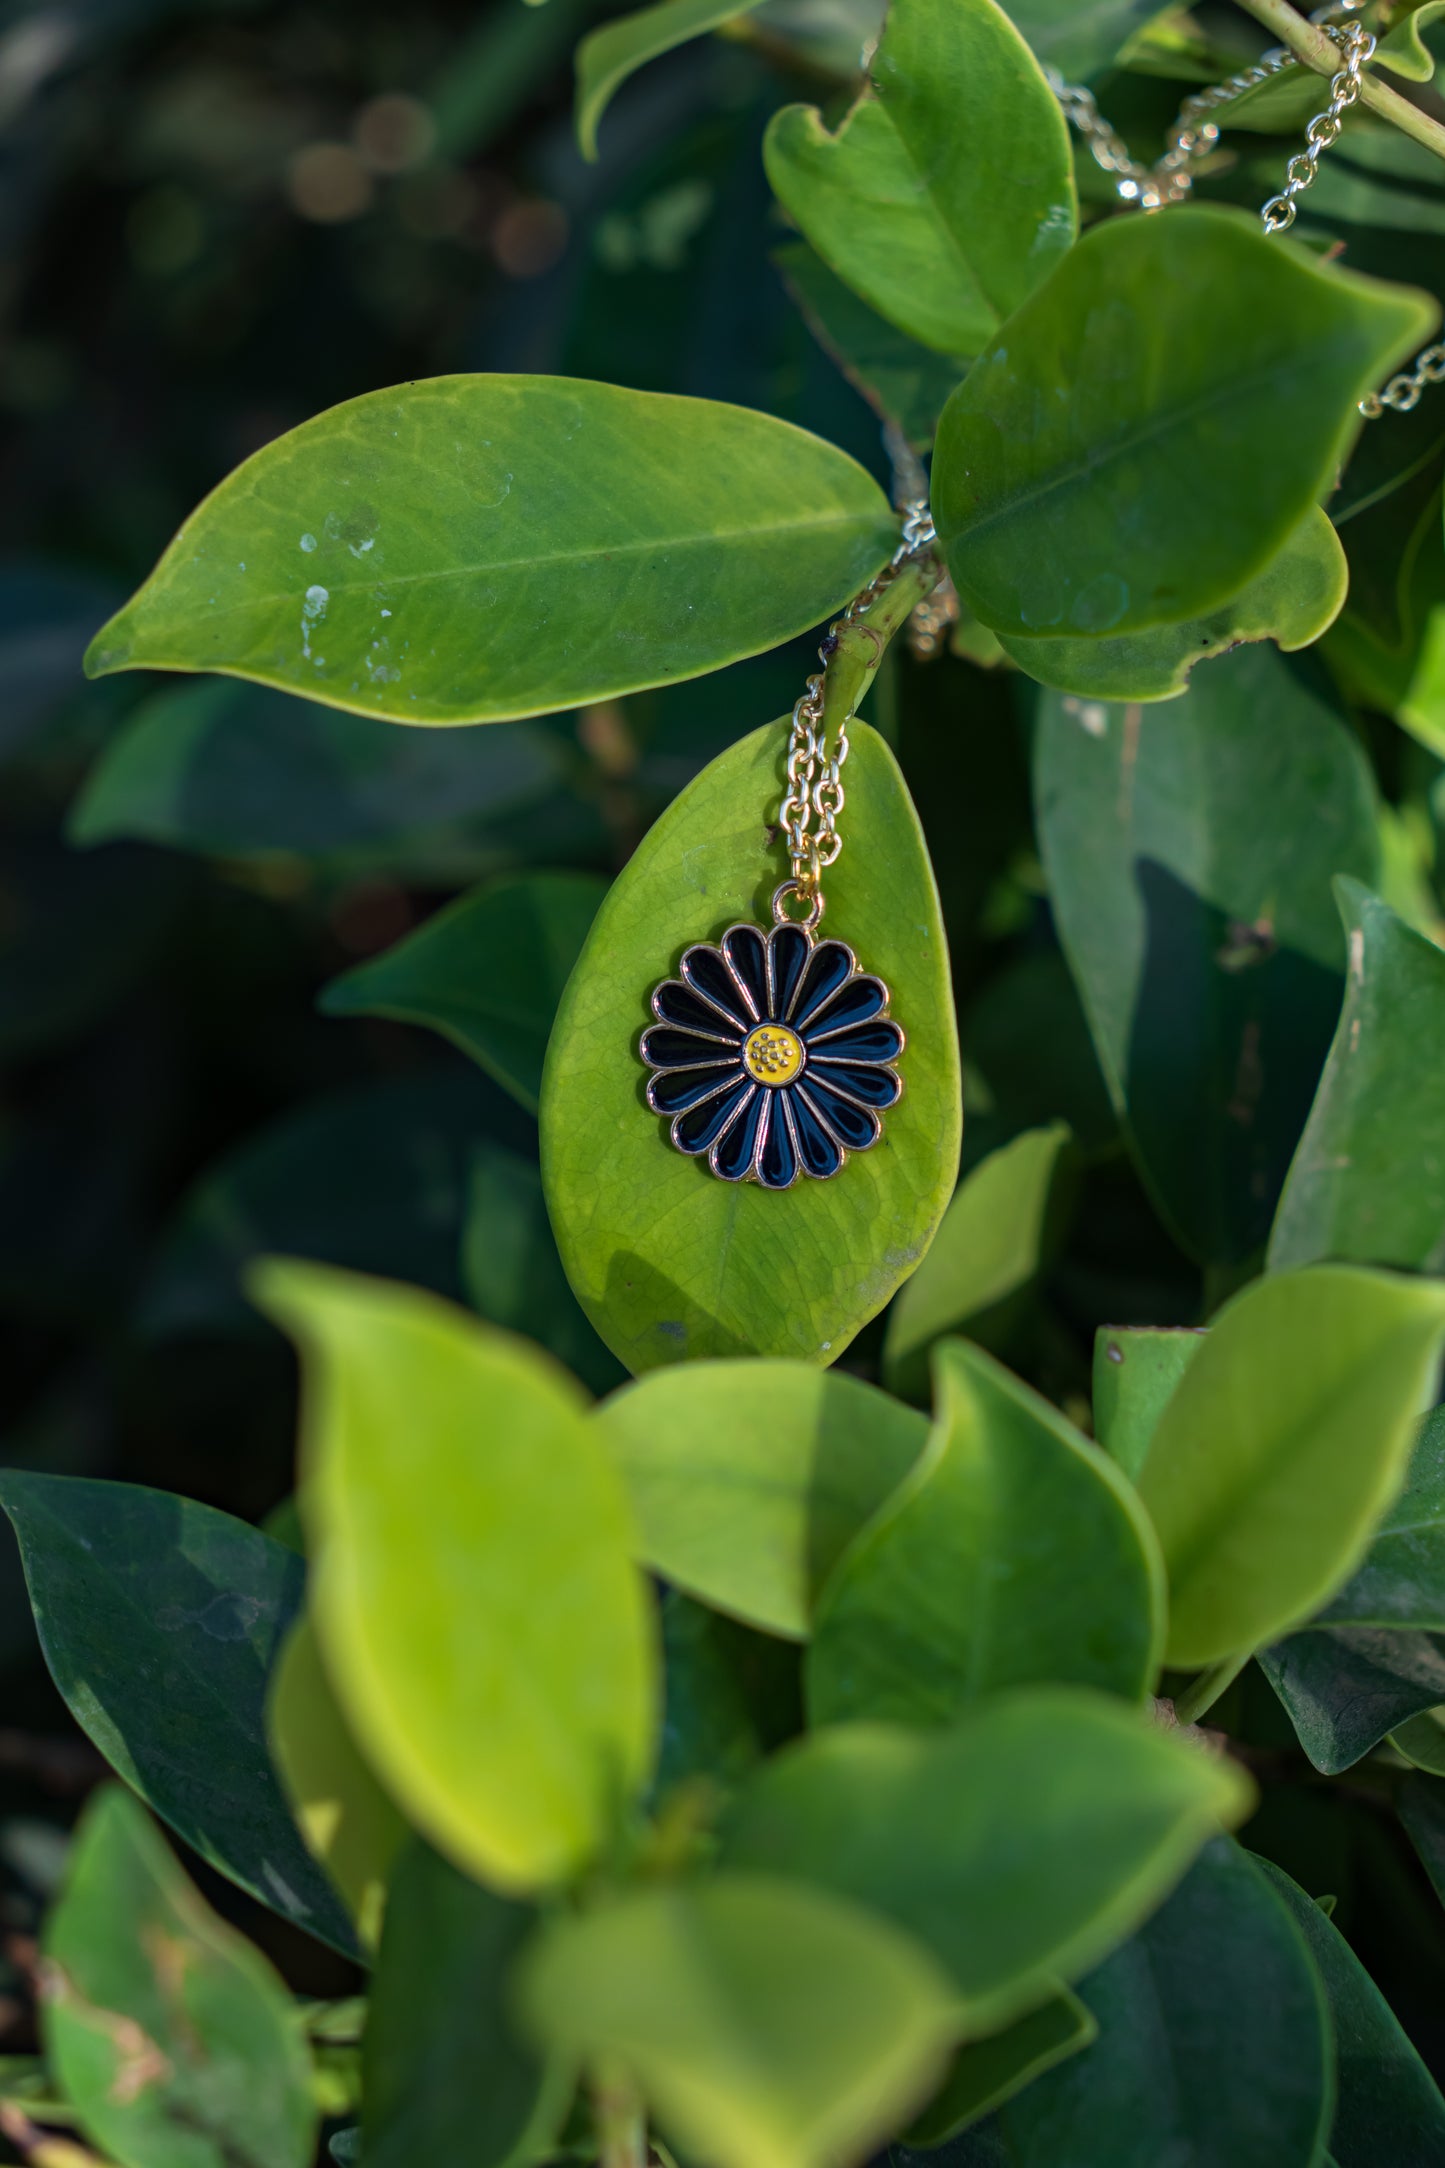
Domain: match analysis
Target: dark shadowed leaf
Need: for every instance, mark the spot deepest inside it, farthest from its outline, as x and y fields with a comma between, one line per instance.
x=608, y=56
x=985, y=2073
x=162, y=1623
x=487, y=972
x=512, y=1274
x=1402, y=1579
x=907, y=383
x=1189, y=852
x=732, y=1695
x=1080, y=37
x=1347, y=1687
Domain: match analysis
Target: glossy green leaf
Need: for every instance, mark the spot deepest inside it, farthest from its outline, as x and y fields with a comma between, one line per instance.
x=1295, y=599
x=293, y=1186
x=1404, y=51
x=998, y=1236
x=1288, y=1438
x=412, y=553
x=947, y=194
x=171, y=2035
x=732, y=1696
x=609, y=55
x=447, y=2075
x=487, y=972
x=1345, y=1688
x=1368, y=1179
x=768, y=2025
x=1015, y=1554
x=1401, y=1581
x=162, y=1622
x=1389, y=2107
x=447, y=1474
x=1160, y=347
x=1020, y=1845
x=1136, y=1368
x=669, y=1263
x=749, y=1480
x=1208, y=958
x=1080, y=37
x=907, y=384
x=348, y=1821
x=512, y=1274
x=985, y=2073
x=1214, y=2042
x=248, y=772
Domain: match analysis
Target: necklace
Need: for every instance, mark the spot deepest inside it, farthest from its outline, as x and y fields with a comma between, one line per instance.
x=773, y=1055
x=1195, y=135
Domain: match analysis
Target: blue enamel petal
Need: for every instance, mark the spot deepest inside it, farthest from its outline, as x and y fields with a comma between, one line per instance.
x=871, y=1087
x=674, y=1003
x=663, y=1048
x=829, y=967
x=860, y=1000
x=788, y=950
x=818, y=1148
x=675, y=1091
x=852, y=1126
x=777, y=1155
x=704, y=969
x=732, y=1156
x=879, y=1041
x=747, y=951
x=698, y=1130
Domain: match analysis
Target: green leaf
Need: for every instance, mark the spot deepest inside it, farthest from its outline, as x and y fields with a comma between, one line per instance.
x=768, y=2026
x=1368, y=1179
x=1295, y=599
x=669, y=1263
x=1015, y=1554
x=1421, y=1740
x=477, y=547
x=947, y=194
x=1210, y=351
x=171, y=2035
x=608, y=56
x=1136, y=1369
x=244, y=771
x=1080, y=37
x=1401, y=1581
x=1405, y=52
x=1208, y=958
x=1288, y=1438
x=749, y=1480
x=447, y=1475
x=348, y=1821
x=294, y=1186
x=905, y=383
x=162, y=1621
x=512, y=1273
x=985, y=2073
x=1390, y=2107
x=732, y=1696
x=1000, y=1233
x=1345, y=1688
x=1214, y=2042
x=487, y=972
x=447, y=2077
x=1020, y=1845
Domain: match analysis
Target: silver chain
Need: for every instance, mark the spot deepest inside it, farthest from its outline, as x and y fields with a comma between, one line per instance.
x=815, y=782
x=1194, y=136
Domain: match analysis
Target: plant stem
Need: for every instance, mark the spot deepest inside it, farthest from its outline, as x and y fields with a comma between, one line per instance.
x=858, y=656
x=619, y=2119
x=1322, y=54
x=1207, y=1688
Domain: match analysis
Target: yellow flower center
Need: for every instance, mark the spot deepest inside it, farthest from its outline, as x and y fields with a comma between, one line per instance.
x=773, y=1054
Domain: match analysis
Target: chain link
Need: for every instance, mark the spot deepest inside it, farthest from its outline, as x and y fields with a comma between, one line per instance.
x=1194, y=136
x=815, y=780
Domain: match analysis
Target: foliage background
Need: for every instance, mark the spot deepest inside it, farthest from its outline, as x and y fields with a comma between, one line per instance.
x=215, y=221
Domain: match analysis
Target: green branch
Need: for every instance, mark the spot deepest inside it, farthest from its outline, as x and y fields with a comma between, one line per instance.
x=858, y=656
x=1320, y=52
